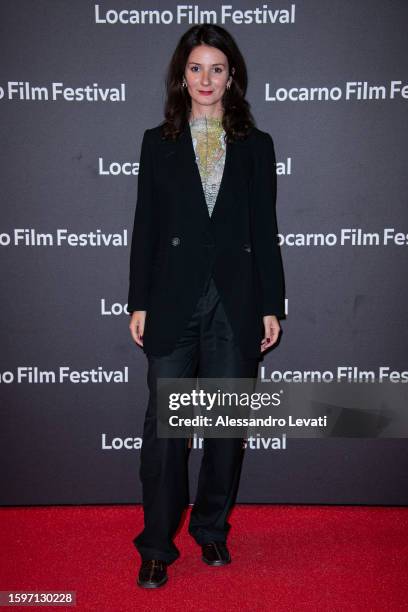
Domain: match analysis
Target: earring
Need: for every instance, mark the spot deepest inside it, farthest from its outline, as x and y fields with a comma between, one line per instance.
x=184, y=83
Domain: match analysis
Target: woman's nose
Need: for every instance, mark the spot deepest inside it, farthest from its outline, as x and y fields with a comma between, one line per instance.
x=205, y=79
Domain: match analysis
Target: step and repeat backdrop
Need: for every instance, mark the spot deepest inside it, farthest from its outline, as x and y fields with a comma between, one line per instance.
x=79, y=84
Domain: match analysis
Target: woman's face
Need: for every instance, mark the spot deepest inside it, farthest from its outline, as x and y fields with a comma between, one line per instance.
x=206, y=74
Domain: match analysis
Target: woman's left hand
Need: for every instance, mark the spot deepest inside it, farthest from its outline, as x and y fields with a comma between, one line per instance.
x=272, y=329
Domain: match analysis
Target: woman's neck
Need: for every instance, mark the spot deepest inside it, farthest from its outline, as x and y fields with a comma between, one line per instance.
x=203, y=114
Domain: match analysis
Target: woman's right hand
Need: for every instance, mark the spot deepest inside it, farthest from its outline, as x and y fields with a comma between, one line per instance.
x=137, y=325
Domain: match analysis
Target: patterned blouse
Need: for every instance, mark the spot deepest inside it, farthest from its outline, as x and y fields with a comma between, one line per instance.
x=208, y=141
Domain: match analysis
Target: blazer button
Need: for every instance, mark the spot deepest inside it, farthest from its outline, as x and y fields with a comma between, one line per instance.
x=175, y=241
x=247, y=248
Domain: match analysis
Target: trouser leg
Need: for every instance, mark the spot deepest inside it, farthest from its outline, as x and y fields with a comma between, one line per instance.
x=217, y=489
x=222, y=459
x=163, y=461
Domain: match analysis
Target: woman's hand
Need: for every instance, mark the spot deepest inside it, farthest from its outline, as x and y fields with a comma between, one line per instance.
x=272, y=329
x=136, y=326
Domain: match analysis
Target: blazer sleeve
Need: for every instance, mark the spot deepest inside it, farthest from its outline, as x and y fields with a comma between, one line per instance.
x=145, y=230
x=264, y=228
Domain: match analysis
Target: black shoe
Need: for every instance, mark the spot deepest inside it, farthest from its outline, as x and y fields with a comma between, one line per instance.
x=215, y=553
x=152, y=573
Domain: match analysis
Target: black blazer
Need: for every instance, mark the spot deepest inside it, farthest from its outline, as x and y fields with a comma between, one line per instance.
x=176, y=244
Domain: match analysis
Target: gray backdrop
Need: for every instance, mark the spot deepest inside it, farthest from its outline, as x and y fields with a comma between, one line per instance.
x=71, y=164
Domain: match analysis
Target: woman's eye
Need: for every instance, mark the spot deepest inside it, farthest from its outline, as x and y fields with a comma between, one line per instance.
x=217, y=69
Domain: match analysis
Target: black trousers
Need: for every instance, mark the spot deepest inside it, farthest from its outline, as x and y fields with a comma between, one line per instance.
x=206, y=350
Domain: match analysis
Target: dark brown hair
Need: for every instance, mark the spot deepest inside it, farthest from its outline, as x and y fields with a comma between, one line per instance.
x=237, y=118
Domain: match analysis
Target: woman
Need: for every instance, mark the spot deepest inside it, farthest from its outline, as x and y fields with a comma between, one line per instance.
x=206, y=282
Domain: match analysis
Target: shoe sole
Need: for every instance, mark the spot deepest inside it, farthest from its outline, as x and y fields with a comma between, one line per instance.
x=216, y=563
x=152, y=585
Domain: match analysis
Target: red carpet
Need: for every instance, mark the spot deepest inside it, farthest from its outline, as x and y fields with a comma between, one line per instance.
x=284, y=558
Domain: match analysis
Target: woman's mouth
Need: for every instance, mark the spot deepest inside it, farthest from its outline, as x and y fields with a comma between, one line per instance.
x=204, y=93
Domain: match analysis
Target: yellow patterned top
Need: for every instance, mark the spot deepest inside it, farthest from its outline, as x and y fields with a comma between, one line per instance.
x=208, y=141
